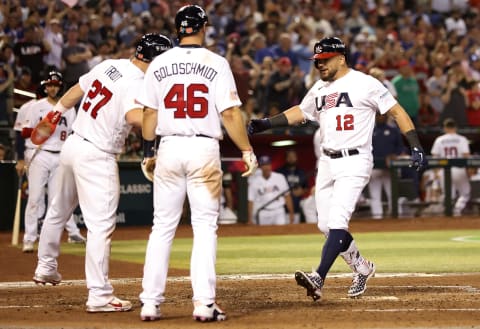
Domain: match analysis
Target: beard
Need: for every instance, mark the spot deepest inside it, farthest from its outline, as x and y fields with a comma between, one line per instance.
x=328, y=75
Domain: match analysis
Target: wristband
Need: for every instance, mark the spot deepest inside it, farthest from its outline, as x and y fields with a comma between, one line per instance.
x=148, y=149
x=279, y=120
x=59, y=108
x=412, y=139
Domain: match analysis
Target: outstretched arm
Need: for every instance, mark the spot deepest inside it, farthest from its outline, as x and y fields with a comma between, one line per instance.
x=407, y=127
x=235, y=126
x=292, y=116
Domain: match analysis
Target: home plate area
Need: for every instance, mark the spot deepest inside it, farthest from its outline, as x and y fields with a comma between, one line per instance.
x=261, y=301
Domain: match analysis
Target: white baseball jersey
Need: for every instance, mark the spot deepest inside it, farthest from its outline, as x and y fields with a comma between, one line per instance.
x=450, y=146
x=194, y=75
x=98, y=118
x=262, y=190
x=32, y=112
x=345, y=110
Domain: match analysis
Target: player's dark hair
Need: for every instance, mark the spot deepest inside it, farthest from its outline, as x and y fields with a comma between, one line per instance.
x=449, y=123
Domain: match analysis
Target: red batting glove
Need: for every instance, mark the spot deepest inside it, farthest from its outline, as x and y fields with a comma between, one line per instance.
x=54, y=117
x=26, y=132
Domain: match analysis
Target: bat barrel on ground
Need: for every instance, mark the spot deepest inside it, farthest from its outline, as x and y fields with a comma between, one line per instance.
x=16, y=219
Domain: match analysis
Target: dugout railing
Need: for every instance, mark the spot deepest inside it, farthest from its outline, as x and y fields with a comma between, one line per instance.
x=445, y=164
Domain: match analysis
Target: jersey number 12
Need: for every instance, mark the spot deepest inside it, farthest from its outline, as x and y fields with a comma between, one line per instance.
x=344, y=122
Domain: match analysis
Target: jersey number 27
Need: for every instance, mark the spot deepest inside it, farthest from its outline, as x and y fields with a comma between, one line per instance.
x=96, y=89
x=186, y=101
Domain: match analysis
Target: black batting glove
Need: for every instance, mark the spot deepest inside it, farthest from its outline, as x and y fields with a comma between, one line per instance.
x=258, y=125
x=419, y=159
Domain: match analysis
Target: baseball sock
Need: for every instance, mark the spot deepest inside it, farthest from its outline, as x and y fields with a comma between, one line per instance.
x=338, y=241
x=357, y=263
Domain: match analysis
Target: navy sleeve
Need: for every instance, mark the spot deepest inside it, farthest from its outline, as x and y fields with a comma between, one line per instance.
x=19, y=145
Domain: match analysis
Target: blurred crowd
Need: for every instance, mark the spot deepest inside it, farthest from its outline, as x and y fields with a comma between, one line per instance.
x=428, y=50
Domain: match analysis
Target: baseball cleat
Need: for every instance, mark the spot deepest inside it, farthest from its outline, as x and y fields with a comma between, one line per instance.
x=150, y=312
x=28, y=247
x=312, y=282
x=76, y=239
x=206, y=313
x=115, y=305
x=53, y=279
x=359, y=282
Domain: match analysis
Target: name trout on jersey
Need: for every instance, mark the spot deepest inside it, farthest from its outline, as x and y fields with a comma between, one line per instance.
x=329, y=101
x=205, y=71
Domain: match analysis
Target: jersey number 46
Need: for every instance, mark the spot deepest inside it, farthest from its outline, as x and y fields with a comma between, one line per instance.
x=187, y=101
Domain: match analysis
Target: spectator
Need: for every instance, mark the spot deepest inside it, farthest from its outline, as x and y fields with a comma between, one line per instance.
x=454, y=97
x=303, y=50
x=407, y=88
x=30, y=52
x=268, y=194
x=3, y=152
x=24, y=82
x=54, y=36
x=76, y=56
x=260, y=84
x=297, y=180
x=473, y=68
x=473, y=109
x=284, y=49
x=284, y=85
x=260, y=48
x=6, y=83
x=455, y=23
x=436, y=85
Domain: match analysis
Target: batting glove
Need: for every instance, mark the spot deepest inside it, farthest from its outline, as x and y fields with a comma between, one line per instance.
x=419, y=159
x=258, y=125
x=148, y=167
x=250, y=161
x=45, y=128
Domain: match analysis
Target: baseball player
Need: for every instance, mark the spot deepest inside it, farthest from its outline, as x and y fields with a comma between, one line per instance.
x=344, y=103
x=88, y=171
x=452, y=145
x=185, y=93
x=387, y=145
x=268, y=194
x=42, y=162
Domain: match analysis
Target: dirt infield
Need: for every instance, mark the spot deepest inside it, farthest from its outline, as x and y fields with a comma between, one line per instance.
x=423, y=301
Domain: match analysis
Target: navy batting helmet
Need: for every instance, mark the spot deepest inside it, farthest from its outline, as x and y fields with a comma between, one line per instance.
x=329, y=47
x=151, y=45
x=190, y=19
x=53, y=78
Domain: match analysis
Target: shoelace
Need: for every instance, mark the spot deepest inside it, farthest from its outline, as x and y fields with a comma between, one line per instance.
x=358, y=279
x=317, y=280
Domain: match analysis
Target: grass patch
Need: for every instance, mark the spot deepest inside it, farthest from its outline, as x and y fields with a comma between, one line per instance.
x=392, y=252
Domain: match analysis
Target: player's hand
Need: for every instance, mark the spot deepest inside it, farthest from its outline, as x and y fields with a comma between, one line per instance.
x=148, y=167
x=20, y=168
x=250, y=161
x=45, y=128
x=419, y=159
x=258, y=125
x=26, y=132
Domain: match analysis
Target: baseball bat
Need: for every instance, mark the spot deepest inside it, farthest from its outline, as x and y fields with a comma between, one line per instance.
x=16, y=219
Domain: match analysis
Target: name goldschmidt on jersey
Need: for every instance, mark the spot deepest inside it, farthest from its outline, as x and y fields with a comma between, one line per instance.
x=205, y=71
